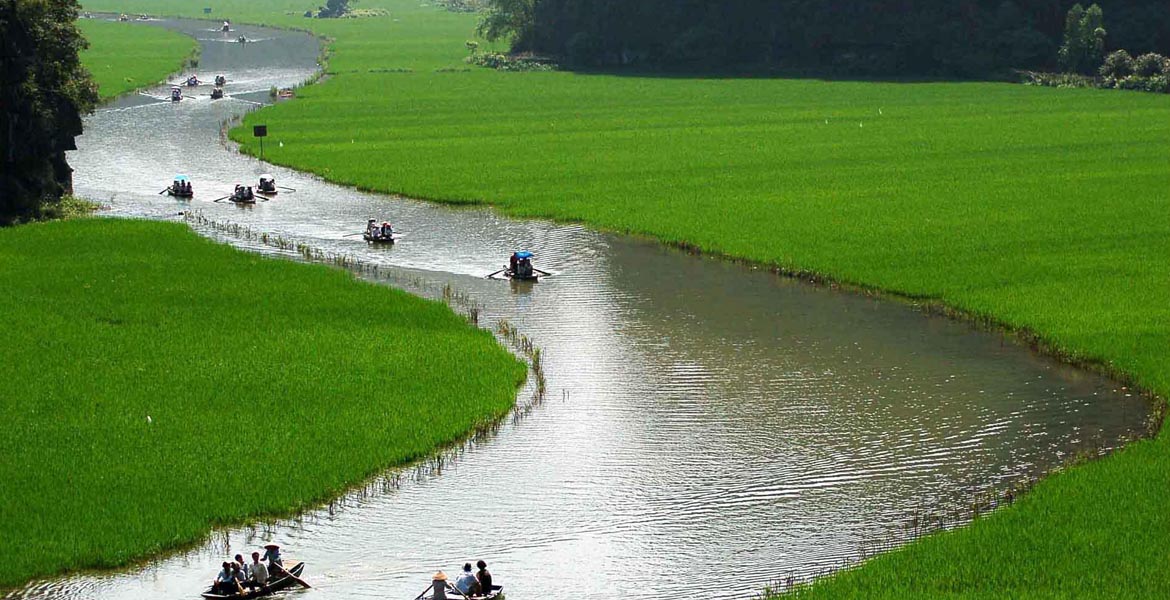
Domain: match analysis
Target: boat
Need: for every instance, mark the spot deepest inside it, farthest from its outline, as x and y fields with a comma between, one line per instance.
x=519, y=269
x=242, y=40
x=192, y=81
x=267, y=185
x=216, y=94
x=177, y=190
x=497, y=593
x=176, y=94
x=275, y=584
x=243, y=195
x=379, y=239
x=220, y=80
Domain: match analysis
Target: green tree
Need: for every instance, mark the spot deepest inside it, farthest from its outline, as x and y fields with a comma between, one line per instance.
x=44, y=90
x=1084, y=39
x=509, y=19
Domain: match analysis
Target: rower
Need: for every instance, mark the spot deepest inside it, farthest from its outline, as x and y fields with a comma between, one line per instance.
x=272, y=555
x=512, y=262
x=439, y=586
x=251, y=196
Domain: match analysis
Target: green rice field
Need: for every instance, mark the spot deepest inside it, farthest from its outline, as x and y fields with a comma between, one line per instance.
x=124, y=57
x=1043, y=210
x=169, y=384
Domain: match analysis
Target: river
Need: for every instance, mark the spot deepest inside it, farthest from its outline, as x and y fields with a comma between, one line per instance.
x=709, y=427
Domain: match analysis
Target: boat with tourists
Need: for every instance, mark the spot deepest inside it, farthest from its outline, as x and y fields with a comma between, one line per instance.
x=266, y=185
x=179, y=188
x=279, y=582
x=216, y=93
x=243, y=195
x=519, y=268
x=176, y=93
x=378, y=234
x=466, y=587
x=220, y=80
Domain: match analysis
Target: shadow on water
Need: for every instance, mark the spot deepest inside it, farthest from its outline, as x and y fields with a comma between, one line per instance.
x=696, y=412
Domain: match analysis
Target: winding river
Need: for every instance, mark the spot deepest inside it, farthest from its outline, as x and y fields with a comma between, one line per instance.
x=709, y=427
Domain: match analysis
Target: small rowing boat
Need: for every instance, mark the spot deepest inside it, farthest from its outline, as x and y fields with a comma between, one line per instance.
x=277, y=583
x=497, y=593
x=378, y=239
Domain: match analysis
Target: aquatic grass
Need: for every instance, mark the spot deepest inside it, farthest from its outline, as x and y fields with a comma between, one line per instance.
x=124, y=57
x=1039, y=210
x=160, y=384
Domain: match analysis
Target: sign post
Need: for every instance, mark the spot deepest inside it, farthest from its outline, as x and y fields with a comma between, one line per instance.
x=260, y=131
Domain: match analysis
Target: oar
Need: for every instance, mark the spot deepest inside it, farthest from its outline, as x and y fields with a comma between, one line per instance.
x=286, y=188
x=290, y=575
x=164, y=190
x=353, y=234
x=541, y=272
x=424, y=593
x=496, y=273
x=223, y=198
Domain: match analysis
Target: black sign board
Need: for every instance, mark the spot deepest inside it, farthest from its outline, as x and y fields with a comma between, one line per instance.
x=207, y=11
x=260, y=131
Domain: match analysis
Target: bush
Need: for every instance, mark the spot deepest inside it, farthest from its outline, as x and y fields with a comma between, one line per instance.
x=1118, y=64
x=1149, y=65
x=503, y=62
x=583, y=50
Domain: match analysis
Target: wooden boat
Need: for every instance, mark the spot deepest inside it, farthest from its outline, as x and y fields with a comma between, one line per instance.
x=378, y=239
x=274, y=585
x=497, y=593
x=267, y=185
x=216, y=94
x=524, y=271
x=176, y=94
x=178, y=192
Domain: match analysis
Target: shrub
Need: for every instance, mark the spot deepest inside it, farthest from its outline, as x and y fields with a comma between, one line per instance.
x=1149, y=65
x=1118, y=64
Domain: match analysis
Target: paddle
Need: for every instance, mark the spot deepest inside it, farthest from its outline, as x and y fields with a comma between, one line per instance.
x=496, y=273
x=223, y=198
x=286, y=188
x=353, y=234
x=289, y=574
x=164, y=190
x=541, y=272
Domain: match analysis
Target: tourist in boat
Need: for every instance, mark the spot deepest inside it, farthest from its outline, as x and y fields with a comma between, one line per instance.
x=244, y=567
x=387, y=231
x=485, y=578
x=225, y=581
x=372, y=228
x=466, y=583
x=238, y=575
x=272, y=555
x=259, y=572
x=186, y=185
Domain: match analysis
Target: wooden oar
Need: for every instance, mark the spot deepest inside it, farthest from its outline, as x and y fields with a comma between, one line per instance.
x=353, y=234
x=545, y=273
x=494, y=274
x=164, y=190
x=223, y=198
x=290, y=575
x=286, y=188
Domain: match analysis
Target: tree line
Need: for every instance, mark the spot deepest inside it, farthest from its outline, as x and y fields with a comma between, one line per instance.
x=964, y=38
x=44, y=90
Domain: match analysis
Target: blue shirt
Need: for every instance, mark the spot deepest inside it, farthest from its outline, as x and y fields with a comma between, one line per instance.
x=465, y=582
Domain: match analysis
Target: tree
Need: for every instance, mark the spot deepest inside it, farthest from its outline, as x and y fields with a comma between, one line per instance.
x=44, y=90
x=509, y=18
x=1084, y=39
x=333, y=9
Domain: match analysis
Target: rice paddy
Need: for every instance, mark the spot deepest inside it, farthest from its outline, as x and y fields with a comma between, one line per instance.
x=123, y=57
x=169, y=384
x=1043, y=210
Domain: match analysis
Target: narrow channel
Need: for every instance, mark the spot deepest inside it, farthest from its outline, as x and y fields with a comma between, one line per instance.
x=709, y=427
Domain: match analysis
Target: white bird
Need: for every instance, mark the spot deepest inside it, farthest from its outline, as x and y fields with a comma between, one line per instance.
x=148, y=419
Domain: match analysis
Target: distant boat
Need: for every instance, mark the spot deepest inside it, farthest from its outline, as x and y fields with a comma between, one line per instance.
x=274, y=585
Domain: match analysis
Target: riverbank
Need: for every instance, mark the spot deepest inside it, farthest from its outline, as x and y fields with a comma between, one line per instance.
x=1036, y=209
x=124, y=57
x=185, y=385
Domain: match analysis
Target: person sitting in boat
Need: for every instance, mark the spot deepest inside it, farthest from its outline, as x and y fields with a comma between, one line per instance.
x=512, y=262
x=466, y=583
x=225, y=581
x=227, y=26
x=239, y=575
x=485, y=578
x=249, y=193
x=187, y=188
x=259, y=572
x=272, y=555
x=176, y=187
x=372, y=228
x=243, y=567
x=387, y=230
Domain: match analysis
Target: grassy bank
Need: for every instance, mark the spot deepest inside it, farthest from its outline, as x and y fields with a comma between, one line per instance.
x=125, y=57
x=1040, y=209
x=166, y=384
